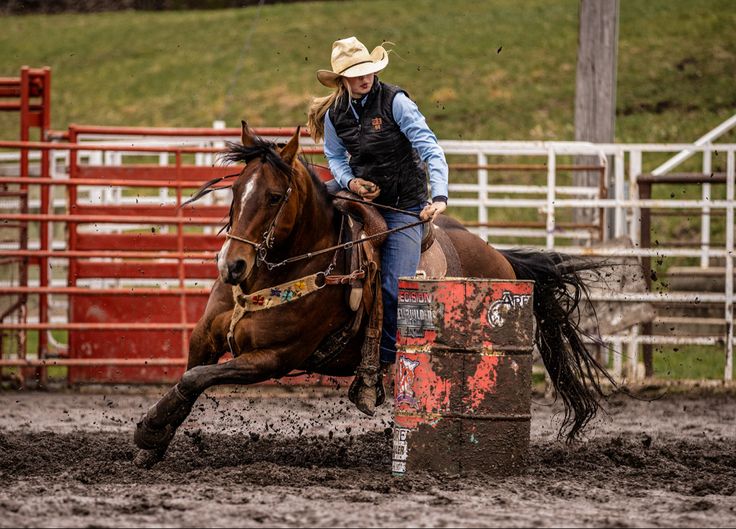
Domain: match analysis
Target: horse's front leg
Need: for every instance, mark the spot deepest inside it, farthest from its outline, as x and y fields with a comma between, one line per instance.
x=157, y=428
x=155, y=431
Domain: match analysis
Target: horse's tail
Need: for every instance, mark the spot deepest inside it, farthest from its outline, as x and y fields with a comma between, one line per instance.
x=558, y=291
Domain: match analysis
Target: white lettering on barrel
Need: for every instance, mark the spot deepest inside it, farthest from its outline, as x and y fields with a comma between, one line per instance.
x=401, y=451
x=412, y=296
x=507, y=303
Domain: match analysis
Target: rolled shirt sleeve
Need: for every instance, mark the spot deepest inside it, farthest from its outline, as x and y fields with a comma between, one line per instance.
x=414, y=126
x=337, y=154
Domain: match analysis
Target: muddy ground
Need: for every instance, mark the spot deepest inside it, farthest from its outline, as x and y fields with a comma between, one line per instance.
x=273, y=457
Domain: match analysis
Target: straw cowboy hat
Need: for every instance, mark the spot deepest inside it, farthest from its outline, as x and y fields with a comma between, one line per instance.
x=350, y=58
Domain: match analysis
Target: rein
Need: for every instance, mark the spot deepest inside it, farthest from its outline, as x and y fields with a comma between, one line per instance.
x=263, y=247
x=379, y=206
x=309, y=255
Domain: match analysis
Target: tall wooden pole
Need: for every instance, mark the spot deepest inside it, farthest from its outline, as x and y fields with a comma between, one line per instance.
x=595, y=97
x=595, y=86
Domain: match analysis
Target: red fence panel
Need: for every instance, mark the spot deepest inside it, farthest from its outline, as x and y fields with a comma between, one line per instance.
x=151, y=326
x=124, y=324
x=131, y=343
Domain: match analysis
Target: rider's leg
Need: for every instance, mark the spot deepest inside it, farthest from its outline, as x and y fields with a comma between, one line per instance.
x=399, y=257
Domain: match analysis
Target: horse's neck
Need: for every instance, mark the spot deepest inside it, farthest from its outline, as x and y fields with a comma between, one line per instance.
x=315, y=228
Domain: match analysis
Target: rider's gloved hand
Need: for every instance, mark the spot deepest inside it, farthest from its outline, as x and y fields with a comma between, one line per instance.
x=431, y=211
x=364, y=189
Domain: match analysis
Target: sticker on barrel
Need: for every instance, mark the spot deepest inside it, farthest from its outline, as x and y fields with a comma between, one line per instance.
x=401, y=451
x=415, y=316
x=509, y=303
x=508, y=314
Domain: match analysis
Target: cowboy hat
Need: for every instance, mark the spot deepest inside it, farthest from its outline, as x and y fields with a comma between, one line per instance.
x=350, y=58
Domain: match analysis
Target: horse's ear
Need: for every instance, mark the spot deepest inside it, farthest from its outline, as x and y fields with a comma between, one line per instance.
x=247, y=136
x=288, y=152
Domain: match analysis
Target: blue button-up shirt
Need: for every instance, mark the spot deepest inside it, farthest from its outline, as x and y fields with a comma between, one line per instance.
x=413, y=125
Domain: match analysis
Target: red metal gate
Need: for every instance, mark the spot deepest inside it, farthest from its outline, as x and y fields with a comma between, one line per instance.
x=139, y=323
x=138, y=332
x=29, y=95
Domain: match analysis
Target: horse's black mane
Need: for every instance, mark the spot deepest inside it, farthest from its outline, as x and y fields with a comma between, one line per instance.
x=267, y=151
x=263, y=149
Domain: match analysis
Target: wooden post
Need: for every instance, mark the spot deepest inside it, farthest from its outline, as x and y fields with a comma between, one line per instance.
x=645, y=238
x=595, y=88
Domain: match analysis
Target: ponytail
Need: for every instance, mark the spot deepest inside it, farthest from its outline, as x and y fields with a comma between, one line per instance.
x=317, y=110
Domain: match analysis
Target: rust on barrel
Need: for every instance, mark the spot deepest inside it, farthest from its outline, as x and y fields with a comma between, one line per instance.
x=463, y=375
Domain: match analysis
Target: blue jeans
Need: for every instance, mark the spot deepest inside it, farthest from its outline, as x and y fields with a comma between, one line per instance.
x=399, y=257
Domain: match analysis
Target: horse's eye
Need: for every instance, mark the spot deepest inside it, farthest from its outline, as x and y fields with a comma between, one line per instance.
x=274, y=199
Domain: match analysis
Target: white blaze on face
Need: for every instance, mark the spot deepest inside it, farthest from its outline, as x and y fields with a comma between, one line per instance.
x=246, y=194
x=221, y=259
x=222, y=256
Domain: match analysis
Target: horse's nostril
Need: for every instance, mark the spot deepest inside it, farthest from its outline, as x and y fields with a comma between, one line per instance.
x=236, y=268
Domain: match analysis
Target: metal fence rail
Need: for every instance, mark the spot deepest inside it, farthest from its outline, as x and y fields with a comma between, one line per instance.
x=475, y=194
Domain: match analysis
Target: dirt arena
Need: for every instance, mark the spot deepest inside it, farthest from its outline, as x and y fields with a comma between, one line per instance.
x=272, y=457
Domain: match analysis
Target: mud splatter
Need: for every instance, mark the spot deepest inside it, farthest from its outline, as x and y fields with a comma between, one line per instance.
x=265, y=459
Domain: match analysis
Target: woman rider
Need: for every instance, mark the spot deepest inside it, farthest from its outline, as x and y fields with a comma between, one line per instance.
x=379, y=146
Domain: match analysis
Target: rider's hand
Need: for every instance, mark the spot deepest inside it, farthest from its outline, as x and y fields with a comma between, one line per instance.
x=431, y=211
x=364, y=189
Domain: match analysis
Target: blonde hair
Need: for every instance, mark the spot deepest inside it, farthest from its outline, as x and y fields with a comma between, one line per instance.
x=319, y=107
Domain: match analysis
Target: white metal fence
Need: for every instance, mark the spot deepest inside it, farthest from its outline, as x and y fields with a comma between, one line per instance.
x=476, y=194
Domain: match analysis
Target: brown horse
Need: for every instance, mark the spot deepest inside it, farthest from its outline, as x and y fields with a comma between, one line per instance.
x=280, y=209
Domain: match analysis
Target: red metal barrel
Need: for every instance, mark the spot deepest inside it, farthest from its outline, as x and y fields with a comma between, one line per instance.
x=463, y=375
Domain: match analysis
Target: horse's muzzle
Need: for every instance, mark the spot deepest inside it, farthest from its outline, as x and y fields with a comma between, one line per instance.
x=236, y=271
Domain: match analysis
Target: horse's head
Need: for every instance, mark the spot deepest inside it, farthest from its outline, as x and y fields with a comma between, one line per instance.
x=265, y=207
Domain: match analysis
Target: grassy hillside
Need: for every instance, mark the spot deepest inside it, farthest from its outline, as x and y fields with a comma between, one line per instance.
x=479, y=70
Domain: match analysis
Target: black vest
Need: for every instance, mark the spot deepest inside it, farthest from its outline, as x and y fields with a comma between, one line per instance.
x=379, y=151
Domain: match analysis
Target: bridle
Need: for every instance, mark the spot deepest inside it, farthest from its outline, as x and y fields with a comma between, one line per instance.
x=267, y=242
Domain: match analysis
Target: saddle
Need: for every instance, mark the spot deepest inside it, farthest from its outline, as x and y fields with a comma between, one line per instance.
x=362, y=221
x=439, y=258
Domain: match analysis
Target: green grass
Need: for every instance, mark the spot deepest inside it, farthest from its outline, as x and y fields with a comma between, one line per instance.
x=689, y=362
x=677, y=64
x=504, y=71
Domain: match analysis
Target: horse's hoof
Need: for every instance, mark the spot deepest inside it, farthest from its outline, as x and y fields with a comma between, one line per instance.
x=147, y=458
x=147, y=438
